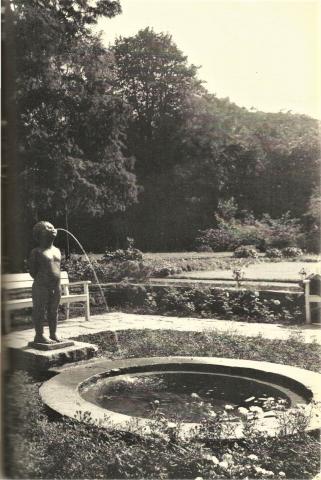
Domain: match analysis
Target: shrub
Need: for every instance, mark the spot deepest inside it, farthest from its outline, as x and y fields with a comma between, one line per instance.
x=166, y=270
x=127, y=270
x=312, y=241
x=281, y=232
x=78, y=268
x=267, y=232
x=163, y=272
x=246, y=251
x=121, y=255
x=292, y=252
x=204, y=248
x=176, y=301
x=204, y=302
x=217, y=239
x=273, y=253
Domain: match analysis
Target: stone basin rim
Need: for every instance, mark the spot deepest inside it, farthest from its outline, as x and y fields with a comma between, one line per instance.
x=62, y=393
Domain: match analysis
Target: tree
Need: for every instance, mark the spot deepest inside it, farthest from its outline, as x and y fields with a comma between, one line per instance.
x=153, y=76
x=73, y=152
x=273, y=163
x=70, y=122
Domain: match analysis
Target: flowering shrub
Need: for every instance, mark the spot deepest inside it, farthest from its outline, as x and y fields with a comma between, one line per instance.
x=273, y=253
x=292, y=252
x=246, y=251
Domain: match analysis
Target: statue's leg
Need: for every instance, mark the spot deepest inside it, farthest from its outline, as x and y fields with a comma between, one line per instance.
x=54, y=300
x=40, y=298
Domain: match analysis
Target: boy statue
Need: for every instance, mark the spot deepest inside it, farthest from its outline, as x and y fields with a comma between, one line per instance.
x=44, y=267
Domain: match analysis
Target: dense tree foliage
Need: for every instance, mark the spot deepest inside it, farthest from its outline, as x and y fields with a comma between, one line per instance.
x=126, y=141
x=70, y=123
x=155, y=79
x=71, y=130
x=193, y=149
x=278, y=165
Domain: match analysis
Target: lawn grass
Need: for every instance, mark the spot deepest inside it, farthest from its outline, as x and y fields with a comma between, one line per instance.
x=152, y=343
x=181, y=262
x=190, y=261
x=42, y=445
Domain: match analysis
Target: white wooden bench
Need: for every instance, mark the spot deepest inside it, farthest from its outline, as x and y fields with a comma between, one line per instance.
x=17, y=284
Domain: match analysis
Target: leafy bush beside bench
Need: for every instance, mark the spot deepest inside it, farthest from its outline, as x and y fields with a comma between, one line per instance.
x=265, y=307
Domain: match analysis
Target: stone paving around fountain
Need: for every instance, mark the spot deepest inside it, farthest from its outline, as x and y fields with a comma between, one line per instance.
x=128, y=321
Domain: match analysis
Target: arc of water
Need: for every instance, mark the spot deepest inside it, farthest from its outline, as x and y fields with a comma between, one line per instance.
x=95, y=275
x=88, y=260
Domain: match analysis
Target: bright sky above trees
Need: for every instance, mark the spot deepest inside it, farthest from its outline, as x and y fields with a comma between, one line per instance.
x=261, y=54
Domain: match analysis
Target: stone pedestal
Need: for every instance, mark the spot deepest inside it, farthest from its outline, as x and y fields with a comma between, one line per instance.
x=30, y=358
x=51, y=346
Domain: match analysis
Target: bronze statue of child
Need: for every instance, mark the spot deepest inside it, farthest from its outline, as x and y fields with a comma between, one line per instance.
x=44, y=267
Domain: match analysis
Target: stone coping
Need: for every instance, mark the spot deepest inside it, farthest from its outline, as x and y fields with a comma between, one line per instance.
x=62, y=393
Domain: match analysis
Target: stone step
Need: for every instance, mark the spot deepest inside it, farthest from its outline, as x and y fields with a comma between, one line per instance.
x=28, y=358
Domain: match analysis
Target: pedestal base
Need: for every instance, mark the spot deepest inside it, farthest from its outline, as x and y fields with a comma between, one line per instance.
x=51, y=346
x=31, y=358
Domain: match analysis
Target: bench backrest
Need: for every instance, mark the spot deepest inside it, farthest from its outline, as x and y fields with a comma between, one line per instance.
x=17, y=281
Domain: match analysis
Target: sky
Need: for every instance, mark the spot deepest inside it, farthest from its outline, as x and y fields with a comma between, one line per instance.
x=262, y=54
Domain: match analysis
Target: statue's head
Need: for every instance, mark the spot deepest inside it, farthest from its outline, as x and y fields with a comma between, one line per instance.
x=44, y=230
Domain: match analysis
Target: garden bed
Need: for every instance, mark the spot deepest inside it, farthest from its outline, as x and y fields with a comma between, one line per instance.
x=198, y=301
x=204, y=302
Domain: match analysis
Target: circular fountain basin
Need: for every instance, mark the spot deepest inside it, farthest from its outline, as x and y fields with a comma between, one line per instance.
x=124, y=394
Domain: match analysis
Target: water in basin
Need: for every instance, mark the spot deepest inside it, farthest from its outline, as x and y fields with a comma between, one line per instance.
x=184, y=395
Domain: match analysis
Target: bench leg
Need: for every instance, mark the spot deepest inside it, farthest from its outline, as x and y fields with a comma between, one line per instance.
x=87, y=305
x=307, y=304
x=87, y=311
x=65, y=290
